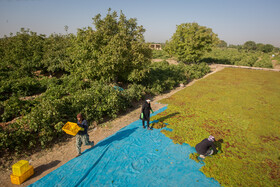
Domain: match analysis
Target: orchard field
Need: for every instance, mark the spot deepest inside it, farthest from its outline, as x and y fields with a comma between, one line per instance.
x=46, y=81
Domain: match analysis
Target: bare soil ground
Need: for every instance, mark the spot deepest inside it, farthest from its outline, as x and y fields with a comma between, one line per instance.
x=48, y=160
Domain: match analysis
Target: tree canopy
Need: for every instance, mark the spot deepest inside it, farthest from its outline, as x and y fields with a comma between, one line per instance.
x=222, y=44
x=21, y=53
x=115, y=51
x=250, y=45
x=190, y=42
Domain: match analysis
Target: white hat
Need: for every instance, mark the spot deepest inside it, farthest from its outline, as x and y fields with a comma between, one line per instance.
x=148, y=100
x=211, y=138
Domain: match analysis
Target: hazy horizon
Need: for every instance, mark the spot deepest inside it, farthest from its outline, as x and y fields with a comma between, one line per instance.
x=234, y=21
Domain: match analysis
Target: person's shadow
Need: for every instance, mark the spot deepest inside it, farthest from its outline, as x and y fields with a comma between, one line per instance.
x=163, y=118
x=44, y=167
x=116, y=137
x=168, y=116
x=218, y=144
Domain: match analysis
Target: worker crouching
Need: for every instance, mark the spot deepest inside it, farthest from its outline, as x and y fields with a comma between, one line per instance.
x=206, y=147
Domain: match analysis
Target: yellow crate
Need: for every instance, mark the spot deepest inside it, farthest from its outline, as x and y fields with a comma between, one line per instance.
x=20, y=179
x=72, y=128
x=20, y=167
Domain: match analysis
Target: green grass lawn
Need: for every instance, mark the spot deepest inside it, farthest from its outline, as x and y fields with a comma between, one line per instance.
x=241, y=108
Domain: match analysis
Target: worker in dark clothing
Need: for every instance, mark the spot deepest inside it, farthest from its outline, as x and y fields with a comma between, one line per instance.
x=145, y=113
x=206, y=147
x=82, y=137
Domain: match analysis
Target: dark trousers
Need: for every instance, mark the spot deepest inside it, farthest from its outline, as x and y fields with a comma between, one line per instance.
x=148, y=122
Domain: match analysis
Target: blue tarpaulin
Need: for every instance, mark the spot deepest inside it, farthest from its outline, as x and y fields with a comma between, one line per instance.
x=118, y=88
x=131, y=157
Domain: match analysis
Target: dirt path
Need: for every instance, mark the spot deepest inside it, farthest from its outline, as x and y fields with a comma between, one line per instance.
x=48, y=160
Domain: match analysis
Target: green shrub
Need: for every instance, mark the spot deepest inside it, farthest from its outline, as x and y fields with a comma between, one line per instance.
x=277, y=58
x=163, y=76
x=264, y=63
x=43, y=119
x=196, y=71
x=237, y=57
x=98, y=101
x=160, y=54
x=134, y=92
x=248, y=60
x=14, y=107
x=47, y=117
x=15, y=138
x=25, y=86
x=222, y=56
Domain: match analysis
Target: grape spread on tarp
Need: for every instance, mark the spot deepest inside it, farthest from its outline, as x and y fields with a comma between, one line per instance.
x=133, y=156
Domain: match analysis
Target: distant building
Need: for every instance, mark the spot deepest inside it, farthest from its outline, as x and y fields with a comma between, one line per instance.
x=155, y=46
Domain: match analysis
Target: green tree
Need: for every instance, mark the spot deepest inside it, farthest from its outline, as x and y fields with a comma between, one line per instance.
x=22, y=53
x=234, y=46
x=260, y=46
x=190, y=42
x=115, y=51
x=268, y=48
x=276, y=50
x=250, y=46
x=265, y=48
x=56, y=57
x=222, y=44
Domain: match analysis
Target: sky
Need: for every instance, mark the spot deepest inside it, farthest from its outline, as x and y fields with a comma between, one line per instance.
x=235, y=21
